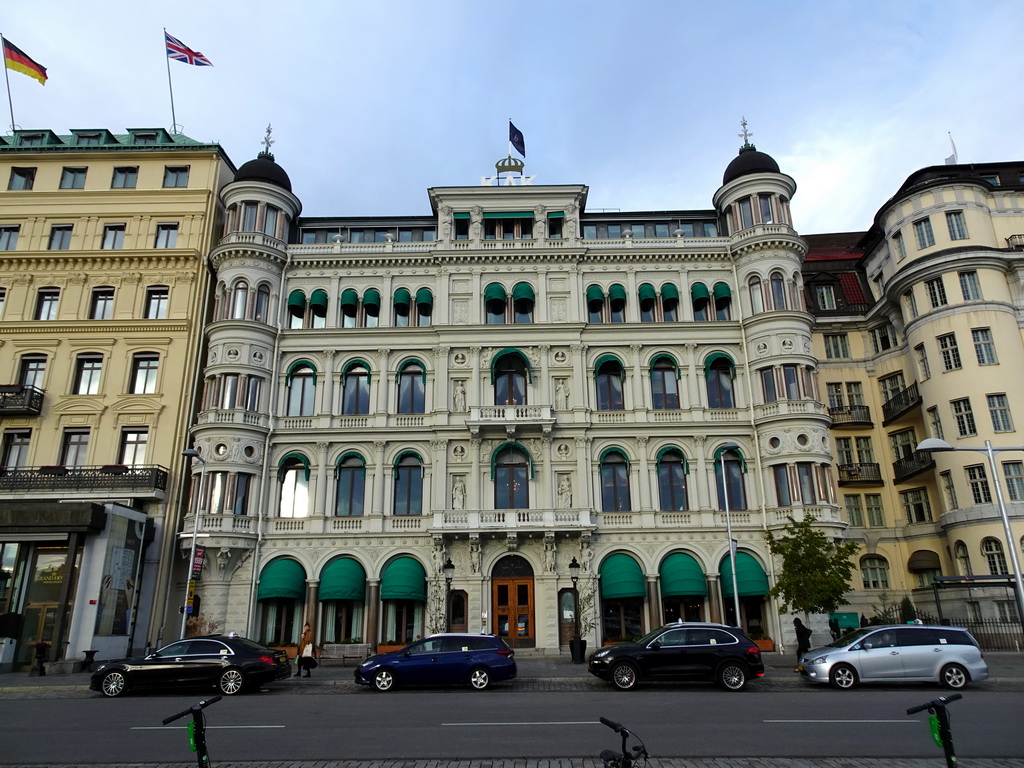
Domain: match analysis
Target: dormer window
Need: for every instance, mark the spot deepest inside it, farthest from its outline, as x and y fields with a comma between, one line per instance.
x=148, y=137
x=31, y=140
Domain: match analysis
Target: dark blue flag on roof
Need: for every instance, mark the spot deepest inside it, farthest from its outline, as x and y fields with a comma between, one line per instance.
x=515, y=137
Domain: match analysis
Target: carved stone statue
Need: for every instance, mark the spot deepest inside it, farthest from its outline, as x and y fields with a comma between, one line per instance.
x=458, y=494
x=561, y=396
x=565, y=492
x=460, y=397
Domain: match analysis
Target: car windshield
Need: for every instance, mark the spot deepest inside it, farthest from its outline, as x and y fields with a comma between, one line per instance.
x=850, y=637
x=651, y=636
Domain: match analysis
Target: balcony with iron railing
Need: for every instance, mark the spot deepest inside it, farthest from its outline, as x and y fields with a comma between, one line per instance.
x=915, y=464
x=850, y=416
x=108, y=480
x=860, y=474
x=20, y=400
x=900, y=403
x=510, y=418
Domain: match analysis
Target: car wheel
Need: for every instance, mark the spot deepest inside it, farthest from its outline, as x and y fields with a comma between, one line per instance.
x=624, y=676
x=954, y=676
x=114, y=683
x=843, y=677
x=732, y=676
x=384, y=680
x=480, y=679
x=231, y=681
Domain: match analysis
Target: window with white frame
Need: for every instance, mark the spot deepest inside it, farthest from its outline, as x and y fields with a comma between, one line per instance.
x=854, y=510
x=999, y=409
x=992, y=549
x=977, y=481
x=922, y=362
x=874, y=571
x=936, y=292
x=934, y=422
x=950, y=352
x=891, y=386
x=963, y=559
x=903, y=444
x=964, y=416
x=882, y=338
x=924, y=234
x=983, y=346
x=970, y=289
x=910, y=304
x=948, y=489
x=873, y=506
x=825, y=296
x=837, y=345
x=901, y=248
x=916, y=506
x=1013, y=471
x=957, y=226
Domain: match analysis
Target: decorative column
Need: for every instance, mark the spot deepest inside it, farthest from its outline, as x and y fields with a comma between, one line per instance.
x=372, y=619
x=581, y=396
x=441, y=373
x=693, y=377
x=384, y=380
x=475, y=500
x=544, y=390
x=476, y=384
x=310, y=609
x=378, y=480
x=653, y=603
x=330, y=382
x=703, y=489
x=584, y=480
x=639, y=401
x=714, y=597
x=440, y=500
x=548, y=473
x=645, y=474
x=320, y=503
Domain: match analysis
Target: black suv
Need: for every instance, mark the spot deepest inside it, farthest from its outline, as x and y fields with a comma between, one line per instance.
x=681, y=651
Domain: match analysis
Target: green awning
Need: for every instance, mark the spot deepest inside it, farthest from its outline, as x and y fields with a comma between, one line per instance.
x=606, y=359
x=461, y=215
x=721, y=291
x=412, y=361
x=298, y=364
x=424, y=298
x=404, y=579
x=352, y=364
x=318, y=302
x=682, y=575
x=715, y=357
x=595, y=293
x=556, y=214
x=402, y=298
x=647, y=292
x=621, y=577
x=669, y=358
x=522, y=291
x=512, y=444
x=289, y=457
x=699, y=291
x=751, y=580
x=349, y=298
x=494, y=292
x=734, y=450
x=613, y=449
x=371, y=297
x=282, y=578
x=508, y=214
x=677, y=452
x=512, y=351
x=297, y=303
x=669, y=291
x=616, y=292
x=343, y=579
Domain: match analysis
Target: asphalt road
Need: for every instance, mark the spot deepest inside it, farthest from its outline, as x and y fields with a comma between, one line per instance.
x=684, y=721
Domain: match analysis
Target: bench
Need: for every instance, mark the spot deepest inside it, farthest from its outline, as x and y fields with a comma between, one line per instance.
x=344, y=652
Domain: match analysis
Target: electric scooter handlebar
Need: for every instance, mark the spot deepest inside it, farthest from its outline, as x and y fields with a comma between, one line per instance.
x=939, y=702
x=195, y=708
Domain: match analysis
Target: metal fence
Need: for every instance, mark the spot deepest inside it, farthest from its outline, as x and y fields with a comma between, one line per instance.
x=992, y=634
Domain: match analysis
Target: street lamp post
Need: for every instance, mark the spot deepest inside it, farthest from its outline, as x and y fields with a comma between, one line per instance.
x=728, y=526
x=448, y=569
x=935, y=445
x=192, y=453
x=575, y=646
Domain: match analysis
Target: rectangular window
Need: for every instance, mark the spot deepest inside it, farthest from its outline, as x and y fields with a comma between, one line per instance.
x=834, y=390
x=999, y=409
x=22, y=178
x=957, y=227
x=125, y=178
x=983, y=346
x=33, y=371
x=950, y=352
x=922, y=362
x=903, y=444
x=825, y=296
x=9, y=238
x=792, y=382
x=891, y=386
x=854, y=511
x=746, y=215
x=252, y=393
x=865, y=453
x=765, y=204
x=176, y=176
x=145, y=366
x=166, y=236
x=934, y=423
x=132, y=450
x=923, y=231
x=229, y=391
x=768, y=385
x=964, y=416
x=969, y=286
x=977, y=480
x=844, y=450
x=74, y=447
x=60, y=237
x=883, y=338
x=936, y=292
x=113, y=237
x=3, y=300
x=901, y=248
x=102, y=305
x=88, y=369
x=916, y=506
x=72, y=178
x=46, y=303
x=836, y=346
x=910, y=304
x=782, y=493
x=15, y=448
x=873, y=506
x=157, y=300
x=805, y=477
x=854, y=393
x=1013, y=471
x=946, y=478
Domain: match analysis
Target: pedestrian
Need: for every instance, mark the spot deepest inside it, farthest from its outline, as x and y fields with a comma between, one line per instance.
x=833, y=628
x=803, y=640
x=305, y=658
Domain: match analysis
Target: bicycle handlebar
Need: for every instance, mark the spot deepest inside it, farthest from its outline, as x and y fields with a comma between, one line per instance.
x=617, y=727
x=939, y=702
x=195, y=708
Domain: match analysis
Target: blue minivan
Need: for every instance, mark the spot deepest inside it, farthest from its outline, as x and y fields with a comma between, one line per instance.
x=452, y=658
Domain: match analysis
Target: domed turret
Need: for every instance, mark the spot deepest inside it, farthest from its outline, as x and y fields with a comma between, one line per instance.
x=749, y=161
x=264, y=169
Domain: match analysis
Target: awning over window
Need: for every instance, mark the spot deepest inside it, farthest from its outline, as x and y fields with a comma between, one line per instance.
x=606, y=359
x=616, y=292
x=402, y=297
x=699, y=291
x=613, y=450
x=669, y=291
x=667, y=358
x=318, y=302
x=371, y=297
x=735, y=451
x=404, y=579
x=522, y=291
x=508, y=214
x=460, y=215
x=647, y=292
x=676, y=451
x=424, y=298
x=721, y=291
x=556, y=214
x=343, y=579
x=494, y=292
x=621, y=577
x=297, y=303
x=715, y=357
x=682, y=575
x=751, y=580
x=352, y=364
x=512, y=351
x=595, y=293
x=349, y=299
x=298, y=365
x=292, y=457
x=517, y=446
x=282, y=579
x=924, y=560
x=412, y=361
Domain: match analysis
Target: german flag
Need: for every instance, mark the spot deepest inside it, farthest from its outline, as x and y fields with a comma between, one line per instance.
x=19, y=61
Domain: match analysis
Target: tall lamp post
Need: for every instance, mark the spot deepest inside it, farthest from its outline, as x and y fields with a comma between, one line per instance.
x=192, y=453
x=574, y=647
x=935, y=445
x=448, y=569
x=728, y=525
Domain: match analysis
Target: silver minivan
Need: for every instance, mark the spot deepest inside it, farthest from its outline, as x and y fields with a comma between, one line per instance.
x=904, y=652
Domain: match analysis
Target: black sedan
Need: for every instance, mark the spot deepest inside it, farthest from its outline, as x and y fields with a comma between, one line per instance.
x=231, y=664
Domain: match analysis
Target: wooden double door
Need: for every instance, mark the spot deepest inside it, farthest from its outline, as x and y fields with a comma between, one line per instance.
x=512, y=601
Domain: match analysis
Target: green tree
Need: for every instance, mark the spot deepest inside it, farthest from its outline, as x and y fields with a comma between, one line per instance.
x=816, y=569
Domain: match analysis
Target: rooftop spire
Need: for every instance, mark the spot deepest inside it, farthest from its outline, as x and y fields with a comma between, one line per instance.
x=745, y=135
x=267, y=142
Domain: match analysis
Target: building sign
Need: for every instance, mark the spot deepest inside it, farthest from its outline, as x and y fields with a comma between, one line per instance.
x=197, y=563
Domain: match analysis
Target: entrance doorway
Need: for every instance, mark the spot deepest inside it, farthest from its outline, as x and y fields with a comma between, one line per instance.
x=512, y=601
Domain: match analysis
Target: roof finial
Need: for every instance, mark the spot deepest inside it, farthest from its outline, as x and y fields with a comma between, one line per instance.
x=746, y=134
x=267, y=142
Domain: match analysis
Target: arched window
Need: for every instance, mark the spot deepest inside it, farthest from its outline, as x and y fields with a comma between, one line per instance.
x=963, y=559
x=664, y=384
x=408, y=485
x=296, y=309
x=719, y=372
x=723, y=302
x=371, y=308
x=701, y=302
x=778, y=286
x=672, y=480
x=510, y=377
x=410, y=311
x=351, y=486
x=356, y=390
x=993, y=551
x=522, y=303
x=670, y=303
x=261, y=312
x=648, y=302
x=609, y=381
x=294, y=476
x=511, y=479
x=615, y=483
x=732, y=494
x=756, y=295
x=411, y=388
x=239, y=299
x=617, y=303
x=318, y=306
x=796, y=300
x=301, y=390
x=595, y=304
x=495, y=304
x=874, y=572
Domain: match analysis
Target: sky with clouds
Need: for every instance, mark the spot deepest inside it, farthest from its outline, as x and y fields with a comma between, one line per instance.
x=373, y=102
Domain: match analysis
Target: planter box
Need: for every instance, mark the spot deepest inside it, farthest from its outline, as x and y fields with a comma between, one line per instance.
x=766, y=644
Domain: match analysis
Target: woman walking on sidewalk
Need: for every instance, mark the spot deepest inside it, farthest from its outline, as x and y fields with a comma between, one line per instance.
x=306, y=659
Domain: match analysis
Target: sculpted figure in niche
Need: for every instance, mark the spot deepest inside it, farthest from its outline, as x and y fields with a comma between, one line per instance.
x=561, y=396
x=458, y=494
x=460, y=397
x=565, y=492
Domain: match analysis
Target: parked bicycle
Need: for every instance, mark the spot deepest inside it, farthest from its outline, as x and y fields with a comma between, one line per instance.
x=942, y=734
x=628, y=757
x=196, y=729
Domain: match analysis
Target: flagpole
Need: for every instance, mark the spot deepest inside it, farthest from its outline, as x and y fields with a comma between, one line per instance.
x=509, y=139
x=174, y=119
x=7, y=77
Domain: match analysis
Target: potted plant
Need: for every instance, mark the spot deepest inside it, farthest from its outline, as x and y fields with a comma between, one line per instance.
x=762, y=641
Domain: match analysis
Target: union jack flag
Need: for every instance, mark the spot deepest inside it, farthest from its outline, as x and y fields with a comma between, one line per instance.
x=178, y=51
